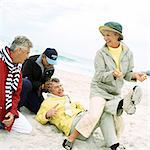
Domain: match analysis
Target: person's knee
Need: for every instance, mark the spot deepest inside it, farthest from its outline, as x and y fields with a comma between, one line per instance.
x=27, y=85
x=98, y=101
x=26, y=88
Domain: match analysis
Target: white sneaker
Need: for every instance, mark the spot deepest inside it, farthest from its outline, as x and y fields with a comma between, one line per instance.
x=131, y=100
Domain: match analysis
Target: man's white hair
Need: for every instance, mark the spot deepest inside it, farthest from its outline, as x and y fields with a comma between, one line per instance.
x=21, y=41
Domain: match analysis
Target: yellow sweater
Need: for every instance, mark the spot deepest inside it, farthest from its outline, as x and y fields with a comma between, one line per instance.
x=61, y=120
x=116, y=52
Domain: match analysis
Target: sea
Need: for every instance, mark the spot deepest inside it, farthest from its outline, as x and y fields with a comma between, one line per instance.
x=76, y=64
x=85, y=66
x=66, y=61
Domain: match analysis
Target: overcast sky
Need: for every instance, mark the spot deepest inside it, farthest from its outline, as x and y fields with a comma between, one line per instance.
x=72, y=25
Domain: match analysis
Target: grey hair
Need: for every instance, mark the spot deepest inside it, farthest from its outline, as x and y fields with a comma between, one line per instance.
x=51, y=81
x=21, y=41
x=54, y=80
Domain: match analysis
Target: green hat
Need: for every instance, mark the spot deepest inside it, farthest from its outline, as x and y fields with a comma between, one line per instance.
x=112, y=26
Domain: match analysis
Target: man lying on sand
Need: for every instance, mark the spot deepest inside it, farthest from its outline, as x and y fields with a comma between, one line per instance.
x=58, y=109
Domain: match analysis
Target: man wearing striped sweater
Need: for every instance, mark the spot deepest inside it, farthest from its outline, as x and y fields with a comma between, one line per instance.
x=11, y=60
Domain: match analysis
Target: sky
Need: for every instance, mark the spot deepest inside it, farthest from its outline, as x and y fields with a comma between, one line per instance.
x=71, y=26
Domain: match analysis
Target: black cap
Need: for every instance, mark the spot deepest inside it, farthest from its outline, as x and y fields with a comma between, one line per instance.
x=51, y=55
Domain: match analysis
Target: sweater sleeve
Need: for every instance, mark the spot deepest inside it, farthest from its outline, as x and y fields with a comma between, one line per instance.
x=31, y=74
x=16, y=98
x=41, y=115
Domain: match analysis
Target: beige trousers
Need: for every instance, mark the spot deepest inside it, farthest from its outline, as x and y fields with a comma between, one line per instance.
x=100, y=115
x=89, y=121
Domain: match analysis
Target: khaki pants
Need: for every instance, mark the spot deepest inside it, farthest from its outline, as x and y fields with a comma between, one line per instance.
x=88, y=122
x=101, y=114
x=75, y=121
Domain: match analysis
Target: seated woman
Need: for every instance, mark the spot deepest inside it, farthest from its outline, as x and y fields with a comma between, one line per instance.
x=113, y=64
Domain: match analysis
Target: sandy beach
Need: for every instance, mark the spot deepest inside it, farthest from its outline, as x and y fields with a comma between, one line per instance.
x=46, y=137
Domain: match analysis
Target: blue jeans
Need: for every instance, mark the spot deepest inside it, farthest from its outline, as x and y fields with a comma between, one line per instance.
x=30, y=98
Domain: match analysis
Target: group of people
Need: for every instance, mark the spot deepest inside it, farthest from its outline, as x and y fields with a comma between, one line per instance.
x=23, y=81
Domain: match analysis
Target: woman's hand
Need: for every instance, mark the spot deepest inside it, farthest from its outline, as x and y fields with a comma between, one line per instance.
x=52, y=112
x=140, y=76
x=117, y=73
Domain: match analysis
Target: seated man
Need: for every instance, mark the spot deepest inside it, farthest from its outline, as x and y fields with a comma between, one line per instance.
x=58, y=109
x=36, y=70
x=11, y=59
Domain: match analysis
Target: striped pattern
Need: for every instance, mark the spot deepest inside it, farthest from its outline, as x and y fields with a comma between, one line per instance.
x=12, y=77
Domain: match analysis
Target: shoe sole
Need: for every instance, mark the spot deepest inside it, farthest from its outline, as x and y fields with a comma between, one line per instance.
x=136, y=95
x=135, y=99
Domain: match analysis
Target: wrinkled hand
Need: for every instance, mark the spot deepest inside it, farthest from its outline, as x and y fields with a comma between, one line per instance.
x=117, y=73
x=45, y=86
x=52, y=112
x=9, y=119
x=140, y=76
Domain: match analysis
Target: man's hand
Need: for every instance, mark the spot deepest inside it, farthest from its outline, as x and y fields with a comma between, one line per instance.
x=140, y=76
x=9, y=118
x=52, y=112
x=46, y=85
x=117, y=73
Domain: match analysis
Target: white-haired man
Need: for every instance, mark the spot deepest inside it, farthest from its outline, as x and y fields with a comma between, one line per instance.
x=11, y=59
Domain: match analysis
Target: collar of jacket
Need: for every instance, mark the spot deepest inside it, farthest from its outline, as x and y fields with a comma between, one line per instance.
x=125, y=49
x=55, y=97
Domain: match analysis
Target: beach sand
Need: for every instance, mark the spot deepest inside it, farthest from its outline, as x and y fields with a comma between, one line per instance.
x=47, y=137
